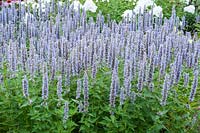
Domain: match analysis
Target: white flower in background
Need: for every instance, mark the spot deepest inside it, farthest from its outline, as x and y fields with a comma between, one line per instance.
x=30, y=1
x=140, y=6
x=180, y=23
x=157, y=10
x=42, y=1
x=89, y=5
x=131, y=0
x=102, y=0
x=23, y=3
x=35, y=5
x=46, y=1
x=25, y=19
x=127, y=13
x=143, y=3
x=61, y=3
x=190, y=9
x=76, y=5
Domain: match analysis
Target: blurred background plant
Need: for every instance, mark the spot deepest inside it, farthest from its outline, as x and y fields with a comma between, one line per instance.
x=188, y=8
x=114, y=8
x=117, y=9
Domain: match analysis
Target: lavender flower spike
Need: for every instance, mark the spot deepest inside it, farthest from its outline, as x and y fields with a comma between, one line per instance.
x=66, y=112
x=151, y=86
x=165, y=90
x=86, y=92
x=80, y=106
x=194, y=86
x=113, y=89
x=59, y=87
x=122, y=96
x=186, y=79
x=78, y=90
x=140, y=78
x=45, y=86
x=25, y=87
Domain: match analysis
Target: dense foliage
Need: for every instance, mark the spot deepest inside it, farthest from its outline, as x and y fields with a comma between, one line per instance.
x=114, y=8
x=60, y=72
x=179, y=6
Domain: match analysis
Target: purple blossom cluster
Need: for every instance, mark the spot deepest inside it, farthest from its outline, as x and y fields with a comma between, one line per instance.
x=165, y=90
x=59, y=87
x=36, y=42
x=194, y=86
x=86, y=92
x=25, y=87
x=66, y=112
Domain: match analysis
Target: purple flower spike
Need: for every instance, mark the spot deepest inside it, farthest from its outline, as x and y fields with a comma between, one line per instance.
x=86, y=92
x=165, y=90
x=79, y=88
x=25, y=87
x=59, y=87
x=66, y=112
x=194, y=86
x=45, y=86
